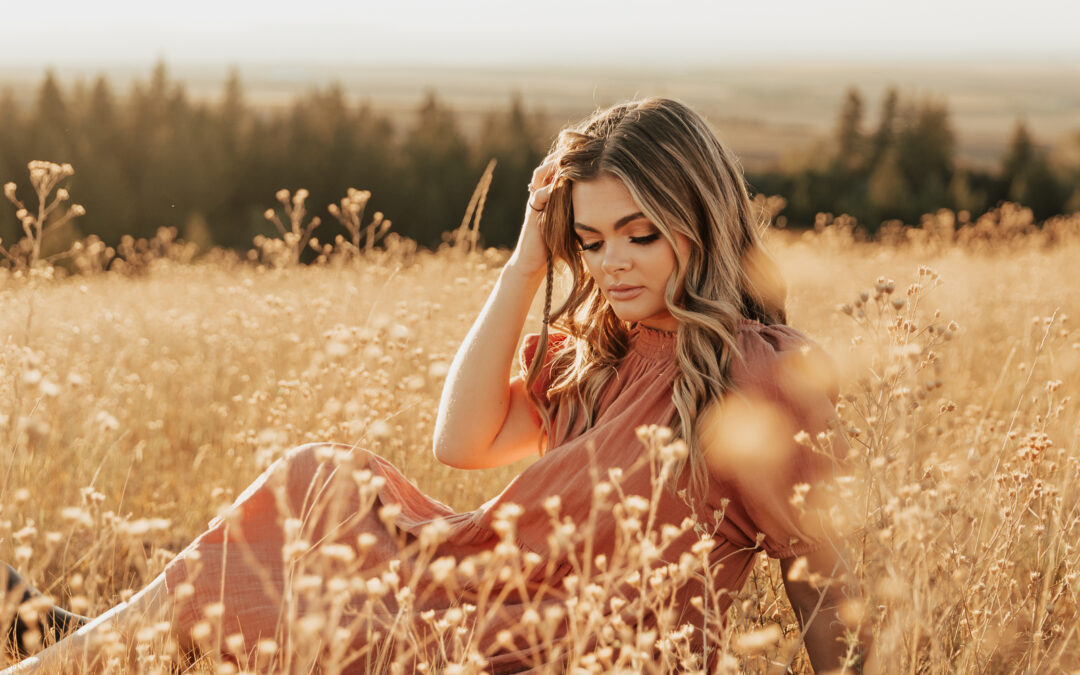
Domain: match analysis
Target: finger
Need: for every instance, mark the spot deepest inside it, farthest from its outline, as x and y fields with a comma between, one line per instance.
x=548, y=174
x=541, y=196
x=546, y=166
x=542, y=177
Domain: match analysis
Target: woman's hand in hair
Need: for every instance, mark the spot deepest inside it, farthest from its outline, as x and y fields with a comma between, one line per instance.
x=531, y=255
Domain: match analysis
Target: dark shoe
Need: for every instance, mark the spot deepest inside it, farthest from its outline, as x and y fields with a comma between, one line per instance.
x=56, y=622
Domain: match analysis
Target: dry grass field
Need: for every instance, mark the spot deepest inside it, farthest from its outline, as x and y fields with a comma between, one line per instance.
x=135, y=404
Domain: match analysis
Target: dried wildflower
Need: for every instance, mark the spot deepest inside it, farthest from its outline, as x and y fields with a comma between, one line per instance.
x=310, y=626
x=338, y=552
x=602, y=490
x=376, y=587
x=798, y=499
x=798, y=570
x=636, y=505
x=442, y=568
x=201, y=631
x=757, y=640
x=552, y=505
x=434, y=532
x=703, y=546
x=504, y=638
x=235, y=643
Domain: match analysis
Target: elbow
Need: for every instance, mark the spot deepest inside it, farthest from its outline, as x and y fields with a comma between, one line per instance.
x=452, y=457
x=443, y=447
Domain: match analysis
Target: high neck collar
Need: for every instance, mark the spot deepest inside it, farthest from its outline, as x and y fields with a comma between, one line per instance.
x=653, y=342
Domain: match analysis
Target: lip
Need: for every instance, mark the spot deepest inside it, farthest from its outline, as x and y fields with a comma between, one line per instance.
x=624, y=291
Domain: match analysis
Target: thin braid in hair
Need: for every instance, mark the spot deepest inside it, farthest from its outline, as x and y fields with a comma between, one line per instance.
x=539, y=358
x=547, y=290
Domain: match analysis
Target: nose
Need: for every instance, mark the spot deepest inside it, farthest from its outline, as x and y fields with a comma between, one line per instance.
x=615, y=259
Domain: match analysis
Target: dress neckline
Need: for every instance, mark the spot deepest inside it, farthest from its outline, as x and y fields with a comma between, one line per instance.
x=654, y=342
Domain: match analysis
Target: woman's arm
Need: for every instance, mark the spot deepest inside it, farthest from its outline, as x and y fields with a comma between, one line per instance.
x=483, y=418
x=818, y=611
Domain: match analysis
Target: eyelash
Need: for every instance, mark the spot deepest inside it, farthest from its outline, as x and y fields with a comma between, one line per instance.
x=647, y=239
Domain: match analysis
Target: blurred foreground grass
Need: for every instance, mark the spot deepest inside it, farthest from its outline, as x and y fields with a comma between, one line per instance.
x=132, y=408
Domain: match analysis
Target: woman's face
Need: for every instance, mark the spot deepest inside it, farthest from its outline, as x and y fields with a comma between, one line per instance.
x=624, y=252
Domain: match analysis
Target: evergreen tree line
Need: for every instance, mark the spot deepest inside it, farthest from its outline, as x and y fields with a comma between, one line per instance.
x=906, y=166
x=157, y=159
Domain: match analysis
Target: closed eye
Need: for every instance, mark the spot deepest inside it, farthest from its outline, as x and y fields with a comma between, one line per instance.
x=647, y=239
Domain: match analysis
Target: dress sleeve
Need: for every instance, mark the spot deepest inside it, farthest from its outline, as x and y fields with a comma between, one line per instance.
x=762, y=444
x=545, y=377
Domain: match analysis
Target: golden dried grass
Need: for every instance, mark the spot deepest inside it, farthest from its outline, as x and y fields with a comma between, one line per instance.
x=118, y=389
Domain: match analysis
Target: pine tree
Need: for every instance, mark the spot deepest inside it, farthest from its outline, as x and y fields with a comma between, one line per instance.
x=100, y=181
x=925, y=147
x=51, y=139
x=438, y=171
x=1018, y=157
x=888, y=194
x=510, y=137
x=850, y=143
x=1026, y=173
x=885, y=133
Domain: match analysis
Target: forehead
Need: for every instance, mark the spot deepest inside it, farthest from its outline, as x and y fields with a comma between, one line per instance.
x=601, y=201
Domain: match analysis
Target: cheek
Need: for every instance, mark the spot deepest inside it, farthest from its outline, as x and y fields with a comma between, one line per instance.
x=592, y=264
x=662, y=263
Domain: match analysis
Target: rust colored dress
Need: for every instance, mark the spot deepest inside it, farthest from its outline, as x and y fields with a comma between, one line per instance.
x=239, y=561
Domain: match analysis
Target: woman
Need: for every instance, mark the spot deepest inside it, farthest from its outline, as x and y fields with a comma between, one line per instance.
x=675, y=317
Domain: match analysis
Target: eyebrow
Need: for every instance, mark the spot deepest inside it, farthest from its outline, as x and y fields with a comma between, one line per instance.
x=619, y=223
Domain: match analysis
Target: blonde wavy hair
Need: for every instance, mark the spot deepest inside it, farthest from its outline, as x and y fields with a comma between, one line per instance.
x=685, y=181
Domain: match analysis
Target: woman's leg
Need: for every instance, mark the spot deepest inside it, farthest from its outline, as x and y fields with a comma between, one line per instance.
x=86, y=649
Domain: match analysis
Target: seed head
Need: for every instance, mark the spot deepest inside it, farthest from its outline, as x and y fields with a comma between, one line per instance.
x=201, y=631
x=552, y=505
x=636, y=505
x=266, y=647
x=235, y=643
x=758, y=640
x=339, y=552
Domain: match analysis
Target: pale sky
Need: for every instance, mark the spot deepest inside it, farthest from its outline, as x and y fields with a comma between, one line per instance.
x=510, y=32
